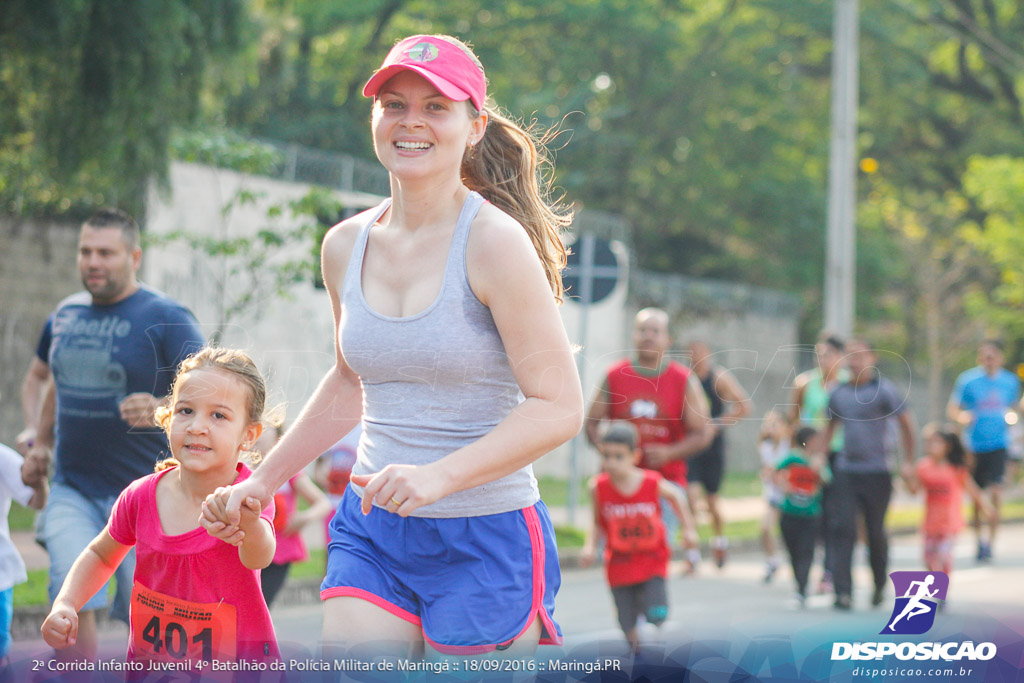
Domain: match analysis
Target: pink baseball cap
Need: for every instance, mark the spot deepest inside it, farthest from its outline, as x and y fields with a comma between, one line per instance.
x=444, y=64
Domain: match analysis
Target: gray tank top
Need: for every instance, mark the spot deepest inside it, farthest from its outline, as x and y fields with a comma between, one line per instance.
x=433, y=382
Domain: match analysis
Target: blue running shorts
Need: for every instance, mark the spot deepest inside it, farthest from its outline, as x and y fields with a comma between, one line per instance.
x=473, y=584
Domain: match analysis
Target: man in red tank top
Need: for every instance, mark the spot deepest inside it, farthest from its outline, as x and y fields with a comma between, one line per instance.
x=659, y=396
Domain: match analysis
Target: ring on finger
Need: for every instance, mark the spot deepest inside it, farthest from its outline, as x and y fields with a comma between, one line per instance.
x=396, y=502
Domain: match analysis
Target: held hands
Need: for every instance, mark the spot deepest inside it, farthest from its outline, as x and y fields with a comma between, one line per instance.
x=225, y=517
x=908, y=476
x=25, y=440
x=36, y=466
x=400, y=489
x=60, y=629
x=137, y=409
x=817, y=461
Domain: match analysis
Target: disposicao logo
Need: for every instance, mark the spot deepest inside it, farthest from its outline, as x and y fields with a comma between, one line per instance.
x=917, y=599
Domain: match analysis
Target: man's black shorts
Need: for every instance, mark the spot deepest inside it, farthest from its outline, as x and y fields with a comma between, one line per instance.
x=989, y=467
x=708, y=467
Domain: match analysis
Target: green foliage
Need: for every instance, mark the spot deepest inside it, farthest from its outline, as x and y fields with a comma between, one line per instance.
x=705, y=124
x=89, y=91
x=996, y=184
x=226, y=149
x=32, y=592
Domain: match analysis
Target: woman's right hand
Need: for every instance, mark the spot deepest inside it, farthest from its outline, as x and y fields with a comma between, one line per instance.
x=60, y=629
x=222, y=509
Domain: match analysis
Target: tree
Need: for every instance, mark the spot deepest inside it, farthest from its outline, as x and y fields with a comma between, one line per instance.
x=89, y=92
x=996, y=184
x=940, y=84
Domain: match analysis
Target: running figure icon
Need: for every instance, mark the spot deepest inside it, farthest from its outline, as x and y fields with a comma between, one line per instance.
x=916, y=604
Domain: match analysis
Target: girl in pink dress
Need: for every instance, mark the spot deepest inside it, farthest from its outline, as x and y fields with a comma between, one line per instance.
x=195, y=597
x=943, y=475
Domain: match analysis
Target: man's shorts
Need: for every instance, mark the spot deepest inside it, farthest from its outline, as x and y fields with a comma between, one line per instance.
x=649, y=598
x=989, y=467
x=707, y=467
x=69, y=523
x=473, y=584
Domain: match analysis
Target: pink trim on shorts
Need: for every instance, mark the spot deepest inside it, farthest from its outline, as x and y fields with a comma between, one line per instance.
x=351, y=592
x=549, y=634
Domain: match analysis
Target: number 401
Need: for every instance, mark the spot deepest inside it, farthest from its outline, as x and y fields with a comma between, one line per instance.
x=175, y=639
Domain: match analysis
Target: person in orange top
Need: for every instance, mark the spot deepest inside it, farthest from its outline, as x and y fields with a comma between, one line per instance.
x=944, y=476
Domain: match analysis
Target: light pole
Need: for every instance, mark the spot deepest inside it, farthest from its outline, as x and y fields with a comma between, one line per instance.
x=840, y=243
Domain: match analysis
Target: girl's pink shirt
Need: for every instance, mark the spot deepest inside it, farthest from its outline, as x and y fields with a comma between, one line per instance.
x=944, y=492
x=194, y=566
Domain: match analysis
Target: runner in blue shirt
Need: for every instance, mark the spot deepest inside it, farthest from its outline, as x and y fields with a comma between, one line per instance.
x=981, y=400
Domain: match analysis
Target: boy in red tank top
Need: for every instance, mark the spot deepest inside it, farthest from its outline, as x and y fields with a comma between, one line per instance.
x=627, y=517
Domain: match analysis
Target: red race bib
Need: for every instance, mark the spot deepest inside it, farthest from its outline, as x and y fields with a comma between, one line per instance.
x=633, y=534
x=171, y=629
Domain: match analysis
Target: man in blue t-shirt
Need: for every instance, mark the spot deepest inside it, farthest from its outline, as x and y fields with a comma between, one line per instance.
x=112, y=352
x=981, y=400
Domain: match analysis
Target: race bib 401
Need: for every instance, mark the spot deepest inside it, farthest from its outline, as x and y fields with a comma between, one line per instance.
x=172, y=629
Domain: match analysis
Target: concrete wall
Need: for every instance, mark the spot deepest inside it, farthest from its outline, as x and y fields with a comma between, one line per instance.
x=37, y=270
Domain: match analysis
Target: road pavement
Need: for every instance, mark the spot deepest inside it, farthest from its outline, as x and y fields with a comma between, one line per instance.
x=730, y=613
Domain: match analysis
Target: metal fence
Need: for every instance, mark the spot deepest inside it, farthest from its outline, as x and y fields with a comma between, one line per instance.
x=331, y=169
x=710, y=297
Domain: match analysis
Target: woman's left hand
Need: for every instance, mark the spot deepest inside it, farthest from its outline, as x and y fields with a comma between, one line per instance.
x=400, y=489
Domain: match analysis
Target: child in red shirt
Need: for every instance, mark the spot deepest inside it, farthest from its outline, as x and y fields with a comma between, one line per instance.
x=944, y=476
x=627, y=515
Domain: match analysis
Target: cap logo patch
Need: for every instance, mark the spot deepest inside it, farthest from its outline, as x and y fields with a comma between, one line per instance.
x=422, y=52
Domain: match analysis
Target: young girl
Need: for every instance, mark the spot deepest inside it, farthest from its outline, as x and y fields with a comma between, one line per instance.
x=773, y=444
x=195, y=597
x=800, y=476
x=627, y=515
x=944, y=476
